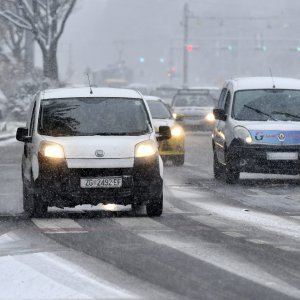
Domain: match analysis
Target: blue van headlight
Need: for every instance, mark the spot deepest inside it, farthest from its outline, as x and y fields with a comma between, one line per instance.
x=243, y=134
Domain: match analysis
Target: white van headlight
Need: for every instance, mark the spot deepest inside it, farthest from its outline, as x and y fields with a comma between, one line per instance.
x=243, y=134
x=146, y=148
x=52, y=150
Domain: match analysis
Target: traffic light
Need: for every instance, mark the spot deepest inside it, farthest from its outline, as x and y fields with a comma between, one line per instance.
x=142, y=60
x=162, y=60
x=264, y=48
x=229, y=47
x=189, y=48
x=261, y=48
x=171, y=72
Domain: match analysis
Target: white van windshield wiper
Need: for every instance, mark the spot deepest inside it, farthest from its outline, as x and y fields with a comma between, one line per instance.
x=111, y=133
x=260, y=112
x=286, y=114
x=121, y=133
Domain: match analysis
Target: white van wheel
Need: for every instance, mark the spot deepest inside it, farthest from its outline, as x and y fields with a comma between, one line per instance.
x=155, y=209
x=231, y=175
x=217, y=167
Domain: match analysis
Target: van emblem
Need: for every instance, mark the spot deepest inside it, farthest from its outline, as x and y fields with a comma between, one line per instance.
x=281, y=137
x=99, y=153
x=259, y=136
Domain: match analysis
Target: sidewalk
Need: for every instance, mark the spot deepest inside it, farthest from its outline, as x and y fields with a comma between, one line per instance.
x=8, y=129
x=8, y=132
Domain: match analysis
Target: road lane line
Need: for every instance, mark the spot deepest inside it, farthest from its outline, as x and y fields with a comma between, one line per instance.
x=55, y=226
x=256, y=219
x=223, y=259
x=259, y=242
x=8, y=237
x=169, y=208
x=288, y=248
x=234, y=234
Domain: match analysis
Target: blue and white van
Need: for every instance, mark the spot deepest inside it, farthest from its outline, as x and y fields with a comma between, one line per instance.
x=257, y=128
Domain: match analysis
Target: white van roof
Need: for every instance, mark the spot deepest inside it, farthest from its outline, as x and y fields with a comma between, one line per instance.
x=85, y=92
x=252, y=83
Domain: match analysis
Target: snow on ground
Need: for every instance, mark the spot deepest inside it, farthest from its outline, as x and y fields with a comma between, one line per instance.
x=48, y=276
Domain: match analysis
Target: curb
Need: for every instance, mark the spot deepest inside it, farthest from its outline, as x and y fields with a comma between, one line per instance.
x=6, y=137
x=16, y=217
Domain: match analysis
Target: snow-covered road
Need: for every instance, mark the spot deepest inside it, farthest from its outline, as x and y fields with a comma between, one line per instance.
x=214, y=241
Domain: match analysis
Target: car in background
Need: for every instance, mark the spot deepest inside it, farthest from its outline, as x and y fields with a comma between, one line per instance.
x=173, y=148
x=166, y=92
x=257, y=128
x=196, y=106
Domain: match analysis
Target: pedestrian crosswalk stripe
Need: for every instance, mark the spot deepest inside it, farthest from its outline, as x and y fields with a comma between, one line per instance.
x=56, y=225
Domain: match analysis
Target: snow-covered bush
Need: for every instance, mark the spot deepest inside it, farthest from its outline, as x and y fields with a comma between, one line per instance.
x=24, y=92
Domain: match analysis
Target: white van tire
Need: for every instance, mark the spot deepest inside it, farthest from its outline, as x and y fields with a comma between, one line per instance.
x=28, y=201
x=217, y=167
x=155, y=208
x=231, y=175
x=32, y=204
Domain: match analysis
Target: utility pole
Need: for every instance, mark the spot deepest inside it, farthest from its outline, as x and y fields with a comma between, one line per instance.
x=185, y=42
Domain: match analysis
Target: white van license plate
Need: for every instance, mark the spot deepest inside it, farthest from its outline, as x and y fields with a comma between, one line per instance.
x=282, y=155
x=102, y=182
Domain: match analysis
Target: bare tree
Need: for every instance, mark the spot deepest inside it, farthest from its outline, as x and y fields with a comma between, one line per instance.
x=11, y=37
x=46, y=19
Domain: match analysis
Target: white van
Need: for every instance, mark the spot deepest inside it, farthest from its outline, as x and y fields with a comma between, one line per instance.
x=257, y=128
x=91, y=147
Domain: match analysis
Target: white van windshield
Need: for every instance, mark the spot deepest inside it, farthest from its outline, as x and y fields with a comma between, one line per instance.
x=93, y=116
x=267, y=104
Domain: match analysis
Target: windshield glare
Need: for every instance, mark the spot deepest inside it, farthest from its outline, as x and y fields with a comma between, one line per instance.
x=267, y=104
x=193, y=100
x=159, y=110
x=93, y=116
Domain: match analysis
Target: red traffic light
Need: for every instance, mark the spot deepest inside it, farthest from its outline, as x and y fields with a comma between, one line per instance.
x=189, y=47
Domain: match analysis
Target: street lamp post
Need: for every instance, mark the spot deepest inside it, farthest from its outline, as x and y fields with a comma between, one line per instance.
x=185, y=42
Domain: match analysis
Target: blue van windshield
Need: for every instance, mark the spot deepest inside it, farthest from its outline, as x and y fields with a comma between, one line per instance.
x=266, y=104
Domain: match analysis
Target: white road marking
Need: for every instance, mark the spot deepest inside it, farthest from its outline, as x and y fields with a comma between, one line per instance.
x=169, y=208
x=259, y=192
x=209, y=252
x=8, y=237
x=288, y=248
x=268, y=222
x=258, y=241
x=234, y=234
x=188, y=192
x=263, y=194
x=141, y=224
x=53, y=226
x=223, y=259
x=47, y=276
